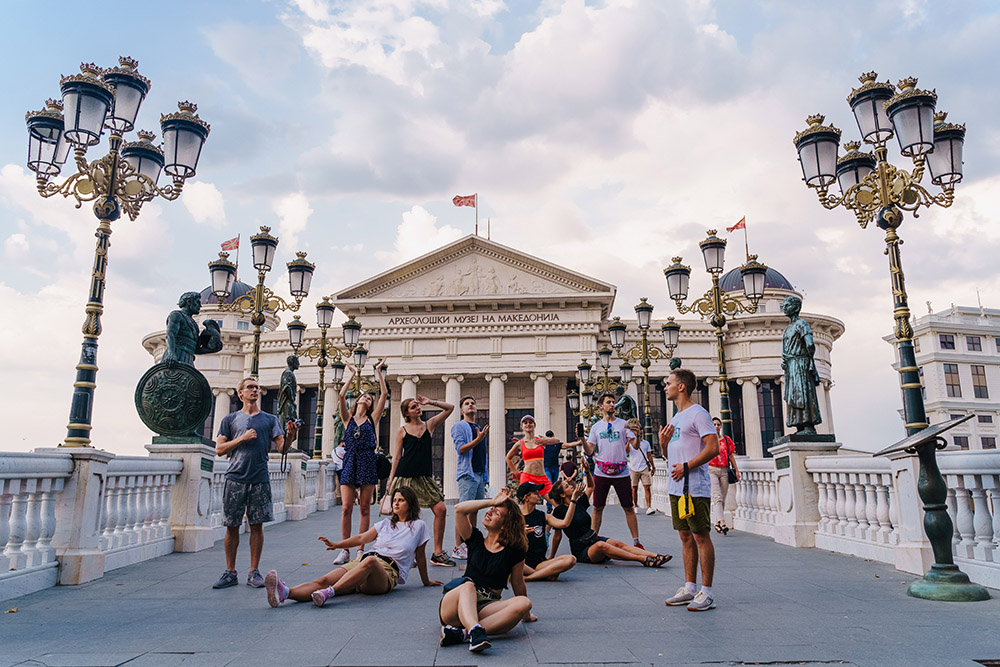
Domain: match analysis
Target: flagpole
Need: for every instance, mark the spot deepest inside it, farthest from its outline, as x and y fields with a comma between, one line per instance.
x=476, y=200
x=237, y=256
x=487, y=229
x=745, y=241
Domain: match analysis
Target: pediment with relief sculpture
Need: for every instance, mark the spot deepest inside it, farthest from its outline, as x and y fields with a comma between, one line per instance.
x=471, y=268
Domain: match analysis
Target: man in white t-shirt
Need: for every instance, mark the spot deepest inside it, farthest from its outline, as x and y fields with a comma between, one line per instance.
x=608, y=443
x=691, y=442
x=641, y=467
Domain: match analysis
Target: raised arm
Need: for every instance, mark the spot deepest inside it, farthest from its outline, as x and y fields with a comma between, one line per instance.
x=436, y=420
x=345, y=414
x=466, y=447
x=353, y=541
x=465, y=509
x=383, y=394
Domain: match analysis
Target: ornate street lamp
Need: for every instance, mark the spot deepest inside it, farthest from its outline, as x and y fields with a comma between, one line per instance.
x=260, y=299
x=880, y=191
x=716, y=304
x=644, y=352
x=122, y=180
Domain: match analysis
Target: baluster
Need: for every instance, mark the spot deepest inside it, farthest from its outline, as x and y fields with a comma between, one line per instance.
x=5, y=516
x=953, y=512
x=994, y=504
x=121, y=510
x=133, y=493
x=833, y=525
x=772, y=504
x=149, y=508
x=963, y=518
x=163, y=505
x=18, y=527
x=32, y=526
x=841, y=504
x=860, y=510
x=882, y=512
x=740, y=501
x=141, y=509
x=850, y=503
x=871, y=508
x=48, y=526
x=752, y=496
x=893, y=509
x=108, y=520
x=982, y=523
x=820, y=502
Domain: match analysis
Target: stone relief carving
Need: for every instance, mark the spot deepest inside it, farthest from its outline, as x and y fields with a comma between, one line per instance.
x=474, y=276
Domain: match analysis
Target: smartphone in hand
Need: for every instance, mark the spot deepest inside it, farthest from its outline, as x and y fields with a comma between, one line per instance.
x=579, y=430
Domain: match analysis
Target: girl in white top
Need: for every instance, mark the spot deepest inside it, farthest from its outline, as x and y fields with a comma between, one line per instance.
x=399, y=541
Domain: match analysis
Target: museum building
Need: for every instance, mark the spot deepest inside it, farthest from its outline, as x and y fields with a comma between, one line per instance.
x=478, y=318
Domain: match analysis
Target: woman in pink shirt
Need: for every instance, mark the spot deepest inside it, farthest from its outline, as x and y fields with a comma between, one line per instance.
x=718, y=470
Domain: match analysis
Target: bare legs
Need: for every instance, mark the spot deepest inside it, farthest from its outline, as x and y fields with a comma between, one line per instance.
x=601, y=551
x=440, y=514
x=458, y=608
x=649, y=495
x=347, y=495
x=698, y=546
x=549, y=570
x=232, y=544
x=369, y=578
x=633, y=523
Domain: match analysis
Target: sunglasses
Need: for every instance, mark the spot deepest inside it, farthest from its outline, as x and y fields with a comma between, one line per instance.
x=610, y=429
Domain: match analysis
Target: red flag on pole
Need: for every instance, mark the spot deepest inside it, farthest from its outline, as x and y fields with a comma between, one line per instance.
x=467, y=200
x=231, y=244
x=742, y=224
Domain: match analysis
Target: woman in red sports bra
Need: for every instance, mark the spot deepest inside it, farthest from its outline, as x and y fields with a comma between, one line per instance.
x=532, y=450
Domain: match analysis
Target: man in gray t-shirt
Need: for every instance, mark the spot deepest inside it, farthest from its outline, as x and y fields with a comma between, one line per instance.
x=246, y=437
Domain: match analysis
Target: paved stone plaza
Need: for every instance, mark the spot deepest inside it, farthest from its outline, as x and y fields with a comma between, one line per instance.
x=777, y=605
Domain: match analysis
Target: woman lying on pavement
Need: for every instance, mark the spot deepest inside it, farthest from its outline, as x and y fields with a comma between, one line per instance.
x=587, y=545
x=536, y=566
x=399, y=540
x=471, y=608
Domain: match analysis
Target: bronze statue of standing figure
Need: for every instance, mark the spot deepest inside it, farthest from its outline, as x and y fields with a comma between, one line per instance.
x=801, y=376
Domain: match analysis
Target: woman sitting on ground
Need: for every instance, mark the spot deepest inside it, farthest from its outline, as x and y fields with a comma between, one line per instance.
x=471, y=608
x=399, y=540
x=536, y=566
x=587, y=545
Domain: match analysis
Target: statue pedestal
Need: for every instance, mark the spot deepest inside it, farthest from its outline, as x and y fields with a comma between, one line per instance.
x=191, y=497
x=797, y=515
x=296, y=503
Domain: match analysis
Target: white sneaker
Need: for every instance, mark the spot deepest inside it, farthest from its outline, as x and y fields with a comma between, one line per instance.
x=650, y=511
x=702, y=602
x=461, y=552
x=342, y=557
x=682, y=597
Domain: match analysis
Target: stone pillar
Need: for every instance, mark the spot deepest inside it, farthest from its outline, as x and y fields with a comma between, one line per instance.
x=797, y=516
x=498, y=433
x=751, y=417
x=331, y=406
x=191, y=497
x=714, y=397
x=452, y=394
x=78, y=511
x=222, y=402
x=633, y=388
x=827, y=407
x=296, y=503
x=542, y=416
x=409, y=389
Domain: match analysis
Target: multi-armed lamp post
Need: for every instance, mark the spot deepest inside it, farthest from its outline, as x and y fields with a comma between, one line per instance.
x=875, y=189
x=644, y=352
x=591, y=386
x=352, y=336
x=717, y=304
x=123, y=180
x=260, y=299
x=319, y=351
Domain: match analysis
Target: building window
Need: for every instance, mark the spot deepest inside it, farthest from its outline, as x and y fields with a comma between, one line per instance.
x=985, y=419
x=989, y=442
x=947, y=341
x=974, y=343
x=979, y=389
x=951, y=382
x=955, y=416
x=998, y=343
x=923, y=389
x=771, y=422
x=243, y=326
x=916, y=344
x=962, y=441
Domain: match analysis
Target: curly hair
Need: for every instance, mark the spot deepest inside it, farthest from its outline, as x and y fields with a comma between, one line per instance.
x=413, y=504
x=557, y=494
x=512, y=529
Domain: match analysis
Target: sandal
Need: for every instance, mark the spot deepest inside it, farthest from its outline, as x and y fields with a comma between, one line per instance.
x=725, y=529
x=718, y=527
x=656, y=561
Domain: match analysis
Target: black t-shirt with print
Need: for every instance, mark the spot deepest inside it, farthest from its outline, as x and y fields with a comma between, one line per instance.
x=488, y=569
x=580, y=524
x=536, y=537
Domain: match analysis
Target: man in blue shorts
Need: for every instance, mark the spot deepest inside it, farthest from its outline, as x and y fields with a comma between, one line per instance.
x=246, y=436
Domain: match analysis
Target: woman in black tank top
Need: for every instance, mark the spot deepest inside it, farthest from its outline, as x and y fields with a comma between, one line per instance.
x=412, y=464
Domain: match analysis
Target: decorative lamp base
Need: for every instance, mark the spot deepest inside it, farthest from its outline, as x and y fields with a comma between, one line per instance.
x=946, y=583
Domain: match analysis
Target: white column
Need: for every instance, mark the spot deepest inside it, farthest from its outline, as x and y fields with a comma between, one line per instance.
x=452, y=394
x=827, y=385
x=542, y=416
x=498, y=433
x=714, y=397
x=633, y=389
x=409, y=387
x=221, y=408
x=331, y=405
x=751, y=417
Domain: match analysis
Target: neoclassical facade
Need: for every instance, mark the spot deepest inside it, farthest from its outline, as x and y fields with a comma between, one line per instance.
x=478, y=318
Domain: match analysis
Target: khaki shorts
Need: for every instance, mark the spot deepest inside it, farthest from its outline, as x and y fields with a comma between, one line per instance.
x=427, y=489
x=391, y=572
x=641, y=476
x=702, y=519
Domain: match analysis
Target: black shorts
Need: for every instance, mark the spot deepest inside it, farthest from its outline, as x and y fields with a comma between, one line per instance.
x=253, y=500
x=581, y=548
x=533, y=560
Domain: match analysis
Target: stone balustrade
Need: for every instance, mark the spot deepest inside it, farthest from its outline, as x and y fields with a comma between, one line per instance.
x=756, y=497
x=974, y=505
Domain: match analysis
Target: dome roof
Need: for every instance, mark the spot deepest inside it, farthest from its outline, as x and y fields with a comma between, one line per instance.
x=732, y=281
x=239, y=289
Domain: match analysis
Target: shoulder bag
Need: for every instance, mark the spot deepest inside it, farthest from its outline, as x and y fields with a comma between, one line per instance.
x=730, y=470
x=685, y=506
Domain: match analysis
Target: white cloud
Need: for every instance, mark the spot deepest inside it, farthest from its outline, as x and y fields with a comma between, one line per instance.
x=417, y=234
x=16, y=246
x=205, y=204
x=293, y=215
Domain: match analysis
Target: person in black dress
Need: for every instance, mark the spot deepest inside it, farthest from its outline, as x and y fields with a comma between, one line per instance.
x=536, y=566
x=586, y=545
x=360, y=469
x=412, y=464
x=471, y=608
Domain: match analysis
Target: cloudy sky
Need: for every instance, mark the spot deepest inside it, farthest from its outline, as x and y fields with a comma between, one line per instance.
x=603, y=136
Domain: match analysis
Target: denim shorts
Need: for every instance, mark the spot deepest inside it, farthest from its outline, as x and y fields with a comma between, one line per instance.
x=254, y=500
x=471, y=487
